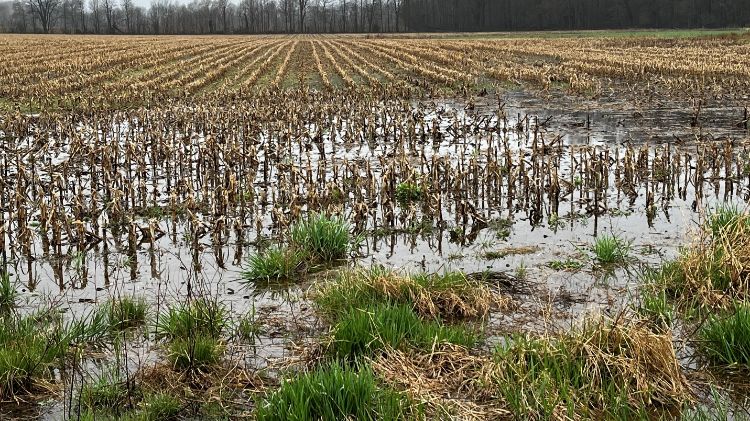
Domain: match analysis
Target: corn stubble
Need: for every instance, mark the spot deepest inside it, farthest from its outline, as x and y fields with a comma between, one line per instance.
x=222, y=142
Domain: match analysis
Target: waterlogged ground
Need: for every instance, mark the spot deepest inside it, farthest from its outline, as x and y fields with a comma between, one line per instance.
x=516, y=186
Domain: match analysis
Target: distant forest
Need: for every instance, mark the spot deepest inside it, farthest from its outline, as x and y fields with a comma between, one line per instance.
x=370, y=16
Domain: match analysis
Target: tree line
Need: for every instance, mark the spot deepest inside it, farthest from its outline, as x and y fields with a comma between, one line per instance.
x=358, y=16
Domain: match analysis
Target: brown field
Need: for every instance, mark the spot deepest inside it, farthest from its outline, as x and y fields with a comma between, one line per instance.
x=42, y=71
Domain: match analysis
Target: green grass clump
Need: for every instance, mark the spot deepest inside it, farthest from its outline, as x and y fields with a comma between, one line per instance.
x=318, y=239
x=31, y=346
x=715, y=268
x=321, y=237
x=126, y=312
x=249, y=327
x=726, y=339
x=602, y=371
x=376, y=309
x=273, y=264
x=91, y=329
x=200, y=317
x=449, y=296
x=160, y=406
x=669, y=276
x=26, y=353
x=195, y=352
x=407, y=193
x=8, y=293
x=335, y=392
x=655, y=306
x=726, y=218
x=610, y=249
x=109, y=399
x=660, y=287
x=108, y=393
x=194, y=332
x=364, y=331
x=713, y=271
x=567, y=264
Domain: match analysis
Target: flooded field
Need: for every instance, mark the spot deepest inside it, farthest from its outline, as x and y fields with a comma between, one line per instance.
x=190, y=255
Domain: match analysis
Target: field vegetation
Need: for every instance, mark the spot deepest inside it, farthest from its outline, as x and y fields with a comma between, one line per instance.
x=46, y=73
x=345, y=227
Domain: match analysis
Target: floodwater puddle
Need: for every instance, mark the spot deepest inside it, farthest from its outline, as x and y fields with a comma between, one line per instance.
x=165, y=204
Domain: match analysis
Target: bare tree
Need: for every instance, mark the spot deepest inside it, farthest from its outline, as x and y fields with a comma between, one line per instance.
x=79, y=8
x=302, y=12
x=96, y=15
x=222, y=6
x=20, y=20
x=253, y=16
x=127, y=8
x=247, y=8
x=45, y=11
x=397, y=12
x=288, y=9
x=109, y=15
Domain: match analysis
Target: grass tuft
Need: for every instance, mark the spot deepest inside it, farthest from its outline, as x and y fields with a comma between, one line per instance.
x=108, y=393
x=606, y=370
x=713, y=271
x=364, y=331
x=407, y=193
x=611, y=249
x=195, y=353
x=126, y=312
x=160, y=406
x=200, y=317
x=31, y=346
x=656, y=307
x=316, y=240
x=335, y=392
x=194, y=331
x=249, y=327
x=8, y=293
x=449, y=296
x=726, y=339
x=273, y=264
x=323, y=238
x=726, y=218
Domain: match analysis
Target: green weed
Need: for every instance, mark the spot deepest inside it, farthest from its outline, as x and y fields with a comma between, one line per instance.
x=407, y=193
x=159, y=406
x=449, y=296
x=321, y=237
x=273, y=264
x=335, y=392
x=605, y=370
x=726, y=339
x=195, y=352
x=200, y=317
x=364, y=331
x=31, y=346
x=108, y=393
x=8, y=293
x=725, y=218
x=567, y=264
x=610, y=249
x=655, y=305
x=126, y=312
x=249, y=327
